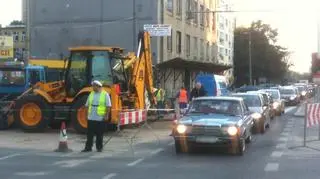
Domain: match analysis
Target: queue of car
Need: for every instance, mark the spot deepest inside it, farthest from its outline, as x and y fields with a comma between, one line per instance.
x=230, y=121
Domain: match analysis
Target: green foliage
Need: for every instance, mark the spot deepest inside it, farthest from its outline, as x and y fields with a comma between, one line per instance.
x=16, y=22
x=269, y=60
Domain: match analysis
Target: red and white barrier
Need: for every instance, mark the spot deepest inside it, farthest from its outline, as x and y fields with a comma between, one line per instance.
x=313, y=114
x=132, y=117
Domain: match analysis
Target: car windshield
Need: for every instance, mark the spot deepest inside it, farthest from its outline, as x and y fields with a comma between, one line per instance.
x=300, y=88
x=251, y=100
x=12, y=77
x=287, y=91
x=274, y=94
x=228, y=107
x=222, y=85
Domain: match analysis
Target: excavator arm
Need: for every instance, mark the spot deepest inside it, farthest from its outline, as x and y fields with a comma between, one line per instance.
x=142, y=75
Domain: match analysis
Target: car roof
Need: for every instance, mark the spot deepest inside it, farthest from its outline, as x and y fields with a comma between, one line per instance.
x=258, y=92
x=270, y=90
x=219, y=98
x=248, y=94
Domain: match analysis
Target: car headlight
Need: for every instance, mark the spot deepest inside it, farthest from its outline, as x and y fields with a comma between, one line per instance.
x=292, y=98
x=276, y=105
x=232, y=130
x=181, y=128
x=256, y=115
x=303, y=93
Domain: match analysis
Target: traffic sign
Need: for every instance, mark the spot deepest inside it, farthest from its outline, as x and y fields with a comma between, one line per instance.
x=6, y=47
x=158, y=29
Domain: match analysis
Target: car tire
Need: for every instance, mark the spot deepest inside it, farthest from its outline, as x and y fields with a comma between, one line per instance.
x=181, y=148
x=262, y=127
x=240, y=148
x=249, y=139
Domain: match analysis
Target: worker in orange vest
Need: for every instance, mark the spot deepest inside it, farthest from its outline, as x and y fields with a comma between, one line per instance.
x=183, y=98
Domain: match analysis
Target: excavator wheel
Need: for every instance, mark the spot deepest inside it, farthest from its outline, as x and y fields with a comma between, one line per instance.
x=32, y=113
x=78, y=115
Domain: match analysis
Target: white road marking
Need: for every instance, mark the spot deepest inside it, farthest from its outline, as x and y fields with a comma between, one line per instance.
x=109, y=176
x=71, y=163
x=281, y=146
x=9, y=156
x=135, y=162
x=285, y=134
x=283, y=139
x=271, y=167
x=31, y=174
x=286, y=129
x=156, y=151
x=276, y=154
x=289, y=109
x=171, y=144
x=102, y=155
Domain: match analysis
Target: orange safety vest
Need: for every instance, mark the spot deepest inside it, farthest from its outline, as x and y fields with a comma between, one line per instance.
x=183, y=97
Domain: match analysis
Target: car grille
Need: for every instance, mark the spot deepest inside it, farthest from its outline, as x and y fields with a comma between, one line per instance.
x=206, y=130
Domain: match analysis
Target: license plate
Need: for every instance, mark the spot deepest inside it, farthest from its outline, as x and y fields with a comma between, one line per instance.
x=206, y=139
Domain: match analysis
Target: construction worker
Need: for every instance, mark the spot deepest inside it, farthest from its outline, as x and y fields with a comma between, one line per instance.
x=183, y=98
x=98, y=108
x=160, y=99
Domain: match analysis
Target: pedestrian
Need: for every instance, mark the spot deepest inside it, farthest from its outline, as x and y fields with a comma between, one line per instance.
x=183, y=98
x=198, y=91
x=98, y=109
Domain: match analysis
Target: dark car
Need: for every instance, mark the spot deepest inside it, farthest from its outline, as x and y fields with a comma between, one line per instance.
x=214, y=122
x=289, y=95
x=260, y=113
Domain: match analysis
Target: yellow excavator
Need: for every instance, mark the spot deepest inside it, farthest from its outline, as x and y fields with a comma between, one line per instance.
x=128, y=78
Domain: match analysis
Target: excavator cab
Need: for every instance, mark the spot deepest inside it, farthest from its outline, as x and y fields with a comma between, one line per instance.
x=91, y=63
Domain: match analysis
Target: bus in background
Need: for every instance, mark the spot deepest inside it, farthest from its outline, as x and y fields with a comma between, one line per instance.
x=215, y=85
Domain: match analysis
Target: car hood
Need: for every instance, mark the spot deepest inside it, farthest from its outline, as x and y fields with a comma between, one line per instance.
x=288, y=95
x=210, y=120
x=256, y=109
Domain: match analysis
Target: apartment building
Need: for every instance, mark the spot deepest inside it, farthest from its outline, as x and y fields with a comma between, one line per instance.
x=19, y=39
x=225, y=34
x=54, y=26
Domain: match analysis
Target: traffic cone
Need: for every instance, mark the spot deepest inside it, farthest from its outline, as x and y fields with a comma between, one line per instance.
x=63, y=143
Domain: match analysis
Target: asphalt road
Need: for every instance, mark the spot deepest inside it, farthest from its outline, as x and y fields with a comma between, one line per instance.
x=155, y=160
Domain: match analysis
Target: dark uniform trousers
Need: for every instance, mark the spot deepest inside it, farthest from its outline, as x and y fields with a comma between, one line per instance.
x=95, y=128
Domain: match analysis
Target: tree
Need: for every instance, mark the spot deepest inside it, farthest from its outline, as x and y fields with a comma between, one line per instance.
x=16, y=22
x=269, y=60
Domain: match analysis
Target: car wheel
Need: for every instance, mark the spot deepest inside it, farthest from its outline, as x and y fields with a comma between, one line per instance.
x=249, y=139
x=240, y=148
x=262, y=127
x=181, y=147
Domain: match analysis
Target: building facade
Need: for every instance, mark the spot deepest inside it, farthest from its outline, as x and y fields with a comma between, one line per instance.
x=18, y=33
x=53, y=26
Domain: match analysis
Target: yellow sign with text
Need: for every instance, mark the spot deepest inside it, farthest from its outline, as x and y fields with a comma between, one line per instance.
x=6, y=47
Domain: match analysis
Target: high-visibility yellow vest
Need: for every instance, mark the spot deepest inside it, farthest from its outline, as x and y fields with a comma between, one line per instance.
x=158, y=96
x=102, y=108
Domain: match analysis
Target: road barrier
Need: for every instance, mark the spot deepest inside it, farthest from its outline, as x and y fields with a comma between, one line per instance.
x=311, y=118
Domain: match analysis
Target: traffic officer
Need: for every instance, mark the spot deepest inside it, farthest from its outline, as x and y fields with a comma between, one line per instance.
x=160, y=99
x=98, y=108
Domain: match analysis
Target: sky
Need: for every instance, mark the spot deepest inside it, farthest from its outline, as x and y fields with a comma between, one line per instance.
x=295, y=20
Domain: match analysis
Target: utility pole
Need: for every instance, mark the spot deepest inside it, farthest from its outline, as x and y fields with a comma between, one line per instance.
x=250, y=59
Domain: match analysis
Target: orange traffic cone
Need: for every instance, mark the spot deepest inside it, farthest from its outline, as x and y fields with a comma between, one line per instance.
x=63, y=144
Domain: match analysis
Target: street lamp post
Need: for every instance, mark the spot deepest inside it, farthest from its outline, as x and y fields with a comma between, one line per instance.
x=250, y=60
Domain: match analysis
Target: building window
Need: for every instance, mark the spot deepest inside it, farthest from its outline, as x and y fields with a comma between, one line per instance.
x=187, y=45
x=178, y=42
x=189, y=13
x=23, y=36
x=202, y=15
x=179, y=8
x=195, y=9
x=207, y=50
x=169, y=42
x=195, y=46
x=213, y=52
x=201, y=48
x=227, y=52
x=170, y=6
x=15, y=36
x=208, y=18
x=213, y=22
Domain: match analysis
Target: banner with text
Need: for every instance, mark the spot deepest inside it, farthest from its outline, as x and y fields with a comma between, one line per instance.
x=6, y=47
